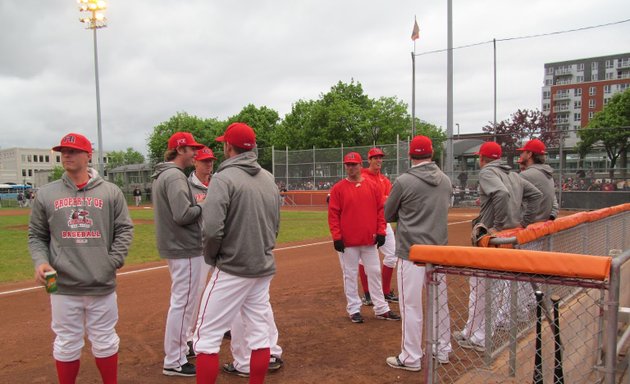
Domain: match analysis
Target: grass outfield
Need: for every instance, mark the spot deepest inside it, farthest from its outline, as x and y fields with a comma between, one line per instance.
x=16, y=265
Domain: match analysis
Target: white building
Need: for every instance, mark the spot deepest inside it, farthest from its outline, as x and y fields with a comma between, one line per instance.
x=20, y=165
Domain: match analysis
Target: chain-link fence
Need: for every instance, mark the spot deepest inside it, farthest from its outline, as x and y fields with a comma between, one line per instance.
x=320, y=169
x=494, y=337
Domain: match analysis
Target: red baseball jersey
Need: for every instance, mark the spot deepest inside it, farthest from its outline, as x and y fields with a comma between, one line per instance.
x=380, y=180
x=355, y=212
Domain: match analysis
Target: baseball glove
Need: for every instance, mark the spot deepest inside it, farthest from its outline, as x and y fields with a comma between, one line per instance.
x=478, y=232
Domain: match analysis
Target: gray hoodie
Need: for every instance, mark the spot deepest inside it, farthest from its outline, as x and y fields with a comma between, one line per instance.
x=541, y=175
x=501, y=194
x=84, y=234
x=177, y=214
x=419, y=202
x=241, y=216
x=199, y=190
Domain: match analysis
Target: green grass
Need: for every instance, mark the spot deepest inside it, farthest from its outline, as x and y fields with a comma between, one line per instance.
x=16, y=265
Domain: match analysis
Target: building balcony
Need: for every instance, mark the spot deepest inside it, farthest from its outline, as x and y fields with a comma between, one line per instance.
x=564, y=81
x=564, y=72
x=561, y=121
x=562, y=96
x=561, y=108
x=623, y=64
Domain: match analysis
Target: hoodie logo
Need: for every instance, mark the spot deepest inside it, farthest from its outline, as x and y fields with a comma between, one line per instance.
x=79, y=219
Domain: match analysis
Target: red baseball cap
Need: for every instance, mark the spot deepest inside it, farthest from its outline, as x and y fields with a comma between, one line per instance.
x=74, y=141
x=183, y=139
x=421, y=145
x=239, y=135
x=490, y=149
x=352, y=158
x=205, y=153
x=534, y=146
x=375, y=152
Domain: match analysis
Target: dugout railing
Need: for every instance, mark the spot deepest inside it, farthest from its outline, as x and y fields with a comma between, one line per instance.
x=576, y=260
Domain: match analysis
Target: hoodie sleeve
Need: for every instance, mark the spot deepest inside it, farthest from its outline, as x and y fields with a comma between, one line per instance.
x=555, y=209
x=393, y=202
x=494, y=188
x=39, y=234
x=123, y=230
x=183, y=207
x=334, y=213
x=381, y=224
x=214, y=213
x=531, y=198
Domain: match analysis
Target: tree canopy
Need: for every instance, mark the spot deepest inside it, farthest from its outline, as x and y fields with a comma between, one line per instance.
x=118, y=158
x=611, y=127
x=523, y=125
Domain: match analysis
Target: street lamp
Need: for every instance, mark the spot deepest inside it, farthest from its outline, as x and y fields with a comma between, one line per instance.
x=95, y=19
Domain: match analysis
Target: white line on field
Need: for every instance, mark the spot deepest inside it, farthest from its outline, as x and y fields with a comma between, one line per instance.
x=165, y=266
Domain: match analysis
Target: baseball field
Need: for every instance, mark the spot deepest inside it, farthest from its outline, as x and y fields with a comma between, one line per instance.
x=320, y=343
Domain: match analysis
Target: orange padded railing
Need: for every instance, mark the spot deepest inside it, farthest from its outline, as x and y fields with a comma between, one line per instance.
x=514, y=260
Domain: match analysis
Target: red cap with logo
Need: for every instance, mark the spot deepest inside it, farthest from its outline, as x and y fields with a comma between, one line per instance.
x=205, y=153
x=352, y=158
x=421, y=145
x=490, y=149
x=239, y=135
x=74, y=141
x=534, y=146
x=183, y=139
x=375, y=152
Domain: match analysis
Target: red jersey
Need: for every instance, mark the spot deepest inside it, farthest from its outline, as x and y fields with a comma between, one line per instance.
x=355, y=212
x=380, y=180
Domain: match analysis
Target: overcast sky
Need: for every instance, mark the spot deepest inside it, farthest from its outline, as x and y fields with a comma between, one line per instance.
x=211, y=58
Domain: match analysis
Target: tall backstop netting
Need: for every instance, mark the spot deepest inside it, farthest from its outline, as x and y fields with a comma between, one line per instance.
x=548, y=303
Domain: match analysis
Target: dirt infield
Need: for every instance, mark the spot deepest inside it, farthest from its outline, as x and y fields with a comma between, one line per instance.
x=320, y=344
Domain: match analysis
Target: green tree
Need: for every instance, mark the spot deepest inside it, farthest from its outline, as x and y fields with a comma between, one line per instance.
x=118, y=158
x=204, y=131
x=523, y=125
x=611, y=127
x=264, y=121
x=345, y=115
x=56, y=173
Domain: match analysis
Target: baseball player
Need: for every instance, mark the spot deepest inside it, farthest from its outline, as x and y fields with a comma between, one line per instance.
x=373, y=173
x=80, y=228
x=502, y=193
x=534, y=170
x=137, y=196
x=419, y=202
x=178, y=233
x=241, y=217
x=199, y=180
x=357, y=223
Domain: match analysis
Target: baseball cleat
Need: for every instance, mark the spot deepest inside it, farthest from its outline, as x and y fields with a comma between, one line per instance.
x=394, y=362
x=275, y=363
x=391, y=297
x=356, y=318
x=229, y=368
x=367, y=300
x=186, y=370
x=389, y=315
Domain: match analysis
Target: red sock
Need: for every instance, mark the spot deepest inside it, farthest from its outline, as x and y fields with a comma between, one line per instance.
x=258, y=365
x=67, y=371
x=386, y=274
x=108, y=367
x=207, y=368
x=364, y=281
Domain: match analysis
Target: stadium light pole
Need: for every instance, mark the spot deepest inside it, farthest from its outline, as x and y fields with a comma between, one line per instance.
x=95, y=19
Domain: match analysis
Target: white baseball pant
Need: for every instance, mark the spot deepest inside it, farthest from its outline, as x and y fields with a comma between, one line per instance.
x=411, y=279
x=475, y=329
x=349, y=261
x=240, y=349
x=389, y=248
x=225, y=296
x=73, y=316
x=185, y=279
x=205, y=271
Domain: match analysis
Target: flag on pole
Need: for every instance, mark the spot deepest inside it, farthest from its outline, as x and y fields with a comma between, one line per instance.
x=415, y=35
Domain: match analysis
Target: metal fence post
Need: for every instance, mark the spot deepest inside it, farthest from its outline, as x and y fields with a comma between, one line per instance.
x=429, y=331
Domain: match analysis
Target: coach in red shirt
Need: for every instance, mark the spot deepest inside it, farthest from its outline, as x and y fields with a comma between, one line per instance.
x=357, y=226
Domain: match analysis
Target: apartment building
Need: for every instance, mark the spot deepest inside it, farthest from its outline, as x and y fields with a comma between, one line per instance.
x=575, y=90
x=20, y=165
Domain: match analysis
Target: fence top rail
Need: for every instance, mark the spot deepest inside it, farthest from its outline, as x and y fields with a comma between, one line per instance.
x=541, y=229
x=515, y=260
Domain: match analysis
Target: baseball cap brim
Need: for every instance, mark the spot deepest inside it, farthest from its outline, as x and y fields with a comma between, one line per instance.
x=220, y=138
x=58, y=148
